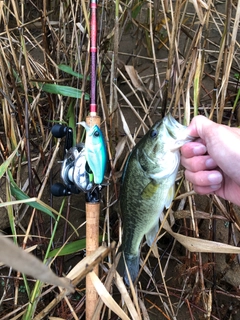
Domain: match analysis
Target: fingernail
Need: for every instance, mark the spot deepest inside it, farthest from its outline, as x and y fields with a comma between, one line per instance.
x=215, y=178
x=199, y=150
x=215, y=187
x=210, y=163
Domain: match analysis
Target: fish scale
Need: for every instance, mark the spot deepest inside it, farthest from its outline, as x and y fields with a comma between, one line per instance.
x=147, y=187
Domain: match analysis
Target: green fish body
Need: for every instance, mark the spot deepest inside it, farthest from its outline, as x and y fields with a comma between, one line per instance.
x=147, y=187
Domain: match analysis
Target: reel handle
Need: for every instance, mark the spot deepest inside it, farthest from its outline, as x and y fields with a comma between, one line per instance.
x=59, y=190
x=59, y=131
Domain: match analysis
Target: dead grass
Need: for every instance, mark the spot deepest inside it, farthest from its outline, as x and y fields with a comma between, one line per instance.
x=180, y=56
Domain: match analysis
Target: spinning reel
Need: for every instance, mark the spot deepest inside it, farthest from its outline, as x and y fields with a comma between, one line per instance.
x=76, y=173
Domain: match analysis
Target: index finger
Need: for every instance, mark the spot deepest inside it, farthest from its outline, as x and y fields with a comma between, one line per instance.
x=192, y=149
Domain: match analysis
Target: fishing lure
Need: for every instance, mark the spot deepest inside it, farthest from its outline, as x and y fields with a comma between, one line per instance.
x=95, y=151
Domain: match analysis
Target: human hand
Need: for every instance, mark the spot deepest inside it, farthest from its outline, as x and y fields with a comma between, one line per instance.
x=212, y=161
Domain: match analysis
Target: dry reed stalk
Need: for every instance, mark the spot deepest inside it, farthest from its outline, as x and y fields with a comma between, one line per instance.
x=229, y=53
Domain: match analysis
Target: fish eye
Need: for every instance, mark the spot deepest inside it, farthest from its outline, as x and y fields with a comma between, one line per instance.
x=96, y=134
x=153, y=133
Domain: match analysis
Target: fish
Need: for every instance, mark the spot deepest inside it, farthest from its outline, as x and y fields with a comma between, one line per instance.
x=95, y=150
x=147, y=186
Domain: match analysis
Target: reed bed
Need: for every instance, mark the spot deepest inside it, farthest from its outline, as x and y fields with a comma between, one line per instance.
x=153, y=57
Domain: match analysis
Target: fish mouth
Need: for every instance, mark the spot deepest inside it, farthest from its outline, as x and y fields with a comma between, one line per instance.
x=178, y=132
x=173, y=126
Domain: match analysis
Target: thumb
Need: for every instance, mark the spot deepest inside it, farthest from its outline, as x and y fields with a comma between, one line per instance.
x=202, y=127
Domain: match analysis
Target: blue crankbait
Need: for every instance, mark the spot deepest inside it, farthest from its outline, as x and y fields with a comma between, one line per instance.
x=96, y=153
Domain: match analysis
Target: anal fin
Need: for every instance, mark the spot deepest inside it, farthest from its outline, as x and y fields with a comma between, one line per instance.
x=150, y=236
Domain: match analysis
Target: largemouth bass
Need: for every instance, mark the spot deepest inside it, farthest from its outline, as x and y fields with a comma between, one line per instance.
x=147, y=187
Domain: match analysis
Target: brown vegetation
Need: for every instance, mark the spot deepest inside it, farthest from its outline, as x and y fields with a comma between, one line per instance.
x=153, y=57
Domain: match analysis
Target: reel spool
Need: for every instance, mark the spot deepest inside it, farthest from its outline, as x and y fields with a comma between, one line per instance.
x=75, y=172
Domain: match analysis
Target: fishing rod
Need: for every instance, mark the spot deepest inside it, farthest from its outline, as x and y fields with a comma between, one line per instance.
x=92, y=207
x=84, y=164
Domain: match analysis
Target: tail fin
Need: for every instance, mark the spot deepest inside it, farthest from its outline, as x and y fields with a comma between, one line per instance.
x=132, y=263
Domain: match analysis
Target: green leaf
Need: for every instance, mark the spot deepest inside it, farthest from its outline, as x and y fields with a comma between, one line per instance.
x=70, y=248
x=10, y=213
x=237, y=76
x=63, y=90
x=69, y=70
x=136, y=9
x=20, y=195
x=5, y=164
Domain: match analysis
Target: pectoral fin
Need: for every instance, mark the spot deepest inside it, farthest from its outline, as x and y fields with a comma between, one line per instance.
x=150, y=190
x=170, y=197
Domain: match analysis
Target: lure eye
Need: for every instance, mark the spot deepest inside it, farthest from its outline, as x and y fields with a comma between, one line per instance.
x=153, y=133
x=96, y=134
